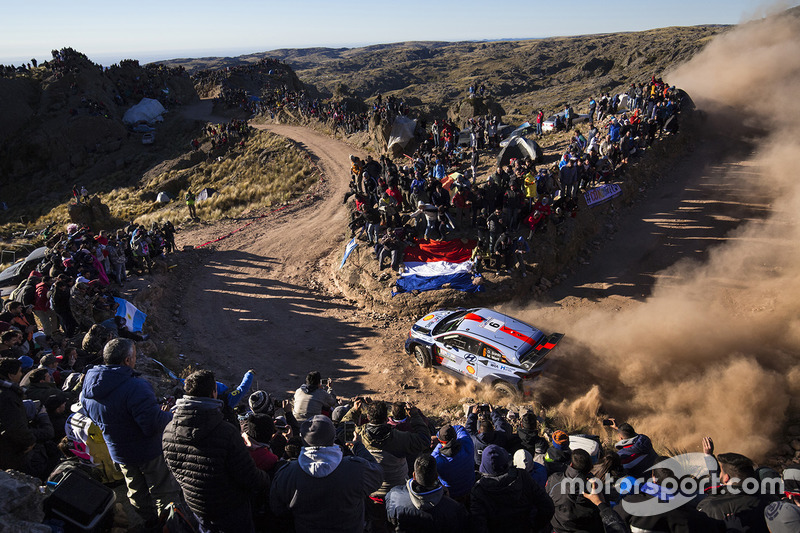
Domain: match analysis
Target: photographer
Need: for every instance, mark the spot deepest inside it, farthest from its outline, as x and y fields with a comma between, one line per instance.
x=487, y=426
x=310, y=399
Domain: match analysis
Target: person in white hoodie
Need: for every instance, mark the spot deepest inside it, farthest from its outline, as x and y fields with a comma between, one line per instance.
x=324, y=490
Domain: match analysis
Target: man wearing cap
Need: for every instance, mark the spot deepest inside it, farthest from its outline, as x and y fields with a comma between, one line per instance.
x=16, y=438
x=124, y=407
x=454, y=461
x=421, y=505
x=506, y=498
x=209, y=459
x=784, y=516
x=325, y=490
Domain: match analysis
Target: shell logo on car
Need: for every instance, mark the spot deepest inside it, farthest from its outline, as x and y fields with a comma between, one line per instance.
x=427, y=317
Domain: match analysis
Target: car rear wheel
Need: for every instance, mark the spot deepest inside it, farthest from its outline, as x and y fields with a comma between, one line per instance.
x=422, y=357
x=505, y=389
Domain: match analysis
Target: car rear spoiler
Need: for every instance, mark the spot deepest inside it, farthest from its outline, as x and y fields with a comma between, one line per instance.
x=542, y=349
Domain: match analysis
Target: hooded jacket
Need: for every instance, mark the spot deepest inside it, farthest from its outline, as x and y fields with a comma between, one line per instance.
x=15, y=435
x=124, y=407
x=209, y=459
x=412, y=510
x=455, y=463
x=322, y=484
x=510, y=501
x=636, y=454
x=309, y=402
x=499, y=436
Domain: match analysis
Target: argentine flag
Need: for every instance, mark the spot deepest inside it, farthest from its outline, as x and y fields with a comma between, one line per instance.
x=134, y=317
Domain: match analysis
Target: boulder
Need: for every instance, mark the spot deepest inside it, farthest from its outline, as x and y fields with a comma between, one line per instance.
x=21, y=507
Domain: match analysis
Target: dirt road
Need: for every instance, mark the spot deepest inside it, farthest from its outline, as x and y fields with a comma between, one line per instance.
x=263, y=298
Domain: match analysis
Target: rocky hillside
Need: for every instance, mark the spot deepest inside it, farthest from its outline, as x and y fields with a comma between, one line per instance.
x=520, y=75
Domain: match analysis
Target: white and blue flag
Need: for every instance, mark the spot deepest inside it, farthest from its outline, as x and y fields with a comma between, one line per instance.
x=134, y=317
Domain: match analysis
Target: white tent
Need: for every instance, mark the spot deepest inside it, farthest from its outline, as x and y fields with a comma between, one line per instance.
x=163, y=198
x=402, y=131
x=148, y=110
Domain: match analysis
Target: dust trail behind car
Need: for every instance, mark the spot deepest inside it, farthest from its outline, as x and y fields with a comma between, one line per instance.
x=715, y=349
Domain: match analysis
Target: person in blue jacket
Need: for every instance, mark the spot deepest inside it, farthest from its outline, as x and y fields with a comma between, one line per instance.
x=454, y=461
x=124, y=407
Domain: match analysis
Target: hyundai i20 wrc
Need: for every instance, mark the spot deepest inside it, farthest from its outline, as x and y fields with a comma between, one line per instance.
x=484, y=345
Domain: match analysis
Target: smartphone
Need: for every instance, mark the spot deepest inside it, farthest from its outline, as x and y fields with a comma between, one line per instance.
x=349, y=432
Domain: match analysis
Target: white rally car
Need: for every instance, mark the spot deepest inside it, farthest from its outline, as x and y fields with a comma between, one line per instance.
x=487, y=346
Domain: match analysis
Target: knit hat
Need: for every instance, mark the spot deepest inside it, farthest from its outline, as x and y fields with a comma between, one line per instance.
x=27, y=363
x=54, y=400
x=560, y=438
x=446, y=434
x=523, y=460
x=318, y=431
x=48, y=359
x=494, y=461
x=782, y=517
x=260, y=401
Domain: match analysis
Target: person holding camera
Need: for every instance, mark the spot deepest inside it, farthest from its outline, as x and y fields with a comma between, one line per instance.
x=487, y=426
x=311, y=399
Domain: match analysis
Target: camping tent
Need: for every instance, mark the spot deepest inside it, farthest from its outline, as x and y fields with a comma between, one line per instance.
x=147, y=110
x=205, y=194
x=523, y=129
x=402, y=131
x=163, y=197
x=519, y=148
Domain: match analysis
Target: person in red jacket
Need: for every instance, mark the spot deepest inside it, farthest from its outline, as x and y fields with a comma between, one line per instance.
x=41, y=307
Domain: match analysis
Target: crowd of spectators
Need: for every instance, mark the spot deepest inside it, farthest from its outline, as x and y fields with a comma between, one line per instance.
x=438, y=195
x=242, y=461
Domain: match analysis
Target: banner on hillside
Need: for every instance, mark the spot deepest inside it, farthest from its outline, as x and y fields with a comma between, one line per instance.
x=602, y=194
x=431, y=265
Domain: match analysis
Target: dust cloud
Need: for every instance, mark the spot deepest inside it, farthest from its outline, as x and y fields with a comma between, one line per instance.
x=715, y=350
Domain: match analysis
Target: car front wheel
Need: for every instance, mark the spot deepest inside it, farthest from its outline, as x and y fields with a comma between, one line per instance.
x=422, y=357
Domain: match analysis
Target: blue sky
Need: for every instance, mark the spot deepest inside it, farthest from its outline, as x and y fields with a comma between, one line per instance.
x=149, y=30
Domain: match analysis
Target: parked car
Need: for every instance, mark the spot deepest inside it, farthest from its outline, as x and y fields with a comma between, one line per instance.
x=549, y=124
x=149, y=138
x=484, y=345
x=13, y=275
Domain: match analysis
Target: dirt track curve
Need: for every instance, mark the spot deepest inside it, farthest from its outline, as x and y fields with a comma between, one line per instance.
x=263, y=298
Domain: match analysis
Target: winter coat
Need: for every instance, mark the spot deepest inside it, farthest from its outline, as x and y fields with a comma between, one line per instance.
x=124, y=407
x=15, y=436
x=746, y=508
x=308, y=402
x=209, y=459
x=499, y=436
x=510, y=502
x=325, y=491
x=636, y=454
x=573, y=512
x=413, y=511
x=455, y=464
x=533, y=442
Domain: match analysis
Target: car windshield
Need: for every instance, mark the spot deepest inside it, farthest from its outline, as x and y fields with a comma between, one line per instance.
x=450, y=323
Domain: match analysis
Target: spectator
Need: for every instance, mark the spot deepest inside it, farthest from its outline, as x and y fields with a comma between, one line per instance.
x=635, y=450
x=324, y=483
x=528, y=438
x=38, y=384
x=730, y=503
x=454, y=456
x=524, y=461
x=209, y=459
x=421, y=505
x=16, y=439
x=573, y=512
x=311, y=400
x=558, y=454
x=784, y=516
x=492, y=430
x=506, y=498
x=125, y=409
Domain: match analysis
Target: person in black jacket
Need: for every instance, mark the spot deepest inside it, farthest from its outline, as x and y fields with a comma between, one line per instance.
x=421, y=505
x=16, y=438
x=528, y=437
x=732, y=504
x=491, y=430
x=506, y=499
x=209, y=459
x=573, y=512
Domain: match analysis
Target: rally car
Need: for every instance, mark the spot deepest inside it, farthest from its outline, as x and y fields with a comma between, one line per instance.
x=484, y=345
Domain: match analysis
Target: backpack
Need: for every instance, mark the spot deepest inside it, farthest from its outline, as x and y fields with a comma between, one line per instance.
x=178, y=518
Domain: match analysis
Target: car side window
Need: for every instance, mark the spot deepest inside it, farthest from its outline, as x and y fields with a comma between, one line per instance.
x=490, y=353
x=456, y=341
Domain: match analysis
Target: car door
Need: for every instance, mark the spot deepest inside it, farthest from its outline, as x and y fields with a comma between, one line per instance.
x=453, y=349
